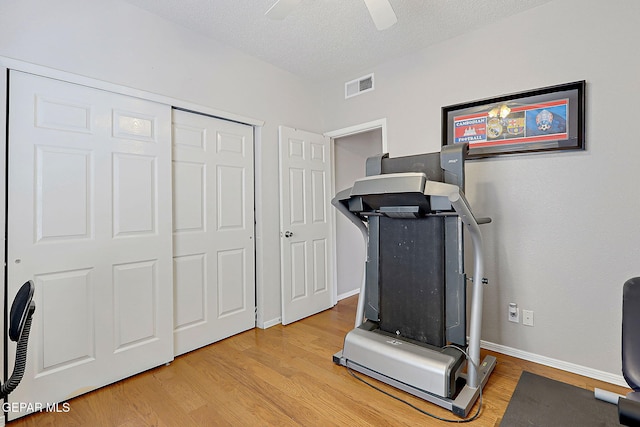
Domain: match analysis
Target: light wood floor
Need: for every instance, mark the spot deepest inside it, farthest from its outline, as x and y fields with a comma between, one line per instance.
x=282, y=376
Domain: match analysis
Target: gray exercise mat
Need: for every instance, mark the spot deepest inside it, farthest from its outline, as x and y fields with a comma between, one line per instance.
x=543, y=402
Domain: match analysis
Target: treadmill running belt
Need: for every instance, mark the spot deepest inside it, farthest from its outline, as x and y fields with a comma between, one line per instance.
x=412, y=283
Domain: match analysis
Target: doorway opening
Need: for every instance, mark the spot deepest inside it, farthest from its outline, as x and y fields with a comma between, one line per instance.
x=350, y=152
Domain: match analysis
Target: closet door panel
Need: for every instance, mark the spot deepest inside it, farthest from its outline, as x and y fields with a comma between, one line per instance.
x=89, y=220
x=213, y=229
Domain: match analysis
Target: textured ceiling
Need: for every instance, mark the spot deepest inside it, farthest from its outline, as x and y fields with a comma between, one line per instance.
x=322, y=39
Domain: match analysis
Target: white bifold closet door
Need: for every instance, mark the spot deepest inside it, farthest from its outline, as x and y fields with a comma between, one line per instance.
x=89, y=221
x=214, y=262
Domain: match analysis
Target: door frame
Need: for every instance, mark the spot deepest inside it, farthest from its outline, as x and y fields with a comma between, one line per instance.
x=4, y=131
x=333, y=135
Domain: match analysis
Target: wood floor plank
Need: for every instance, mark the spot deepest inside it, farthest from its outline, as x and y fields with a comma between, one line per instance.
x=281, y=376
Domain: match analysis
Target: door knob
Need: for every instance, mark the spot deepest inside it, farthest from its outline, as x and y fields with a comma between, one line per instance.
x=288, y=234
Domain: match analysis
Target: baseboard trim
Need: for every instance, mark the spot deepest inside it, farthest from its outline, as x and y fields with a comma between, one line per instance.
x=269, y=323
x=348, y=294
x=555, y=363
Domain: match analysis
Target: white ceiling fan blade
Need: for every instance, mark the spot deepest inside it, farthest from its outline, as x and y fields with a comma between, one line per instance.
x=281, y=8
x=382, y=13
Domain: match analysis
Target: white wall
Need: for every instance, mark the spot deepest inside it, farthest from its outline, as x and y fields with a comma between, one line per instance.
x=351, y=153
x=118, y=43
x=565, y=232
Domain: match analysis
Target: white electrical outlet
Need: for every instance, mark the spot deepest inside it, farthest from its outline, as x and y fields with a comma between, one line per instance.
x=514, y=312
x=527, y=317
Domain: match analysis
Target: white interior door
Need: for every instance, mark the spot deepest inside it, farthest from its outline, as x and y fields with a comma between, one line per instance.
x=89, y=221
x=305, y=221
x=214, y=261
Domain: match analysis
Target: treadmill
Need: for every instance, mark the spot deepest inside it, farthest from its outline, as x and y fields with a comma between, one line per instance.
x=413, y=299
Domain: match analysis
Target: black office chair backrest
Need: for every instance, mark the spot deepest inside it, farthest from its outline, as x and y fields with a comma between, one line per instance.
x=20, y=309
x=630, y=328
x=20, y=317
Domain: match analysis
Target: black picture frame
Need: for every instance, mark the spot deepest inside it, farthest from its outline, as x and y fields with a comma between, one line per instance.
x=539, y=120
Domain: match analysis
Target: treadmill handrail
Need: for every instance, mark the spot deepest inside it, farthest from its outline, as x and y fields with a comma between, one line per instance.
x=344, y=194
x=437, y=188
x=460, y=204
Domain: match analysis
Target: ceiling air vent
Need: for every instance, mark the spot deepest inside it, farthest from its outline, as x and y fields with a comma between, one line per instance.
x=358, y=86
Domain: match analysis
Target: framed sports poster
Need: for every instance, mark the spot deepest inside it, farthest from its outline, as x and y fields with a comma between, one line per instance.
x=539, y=120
